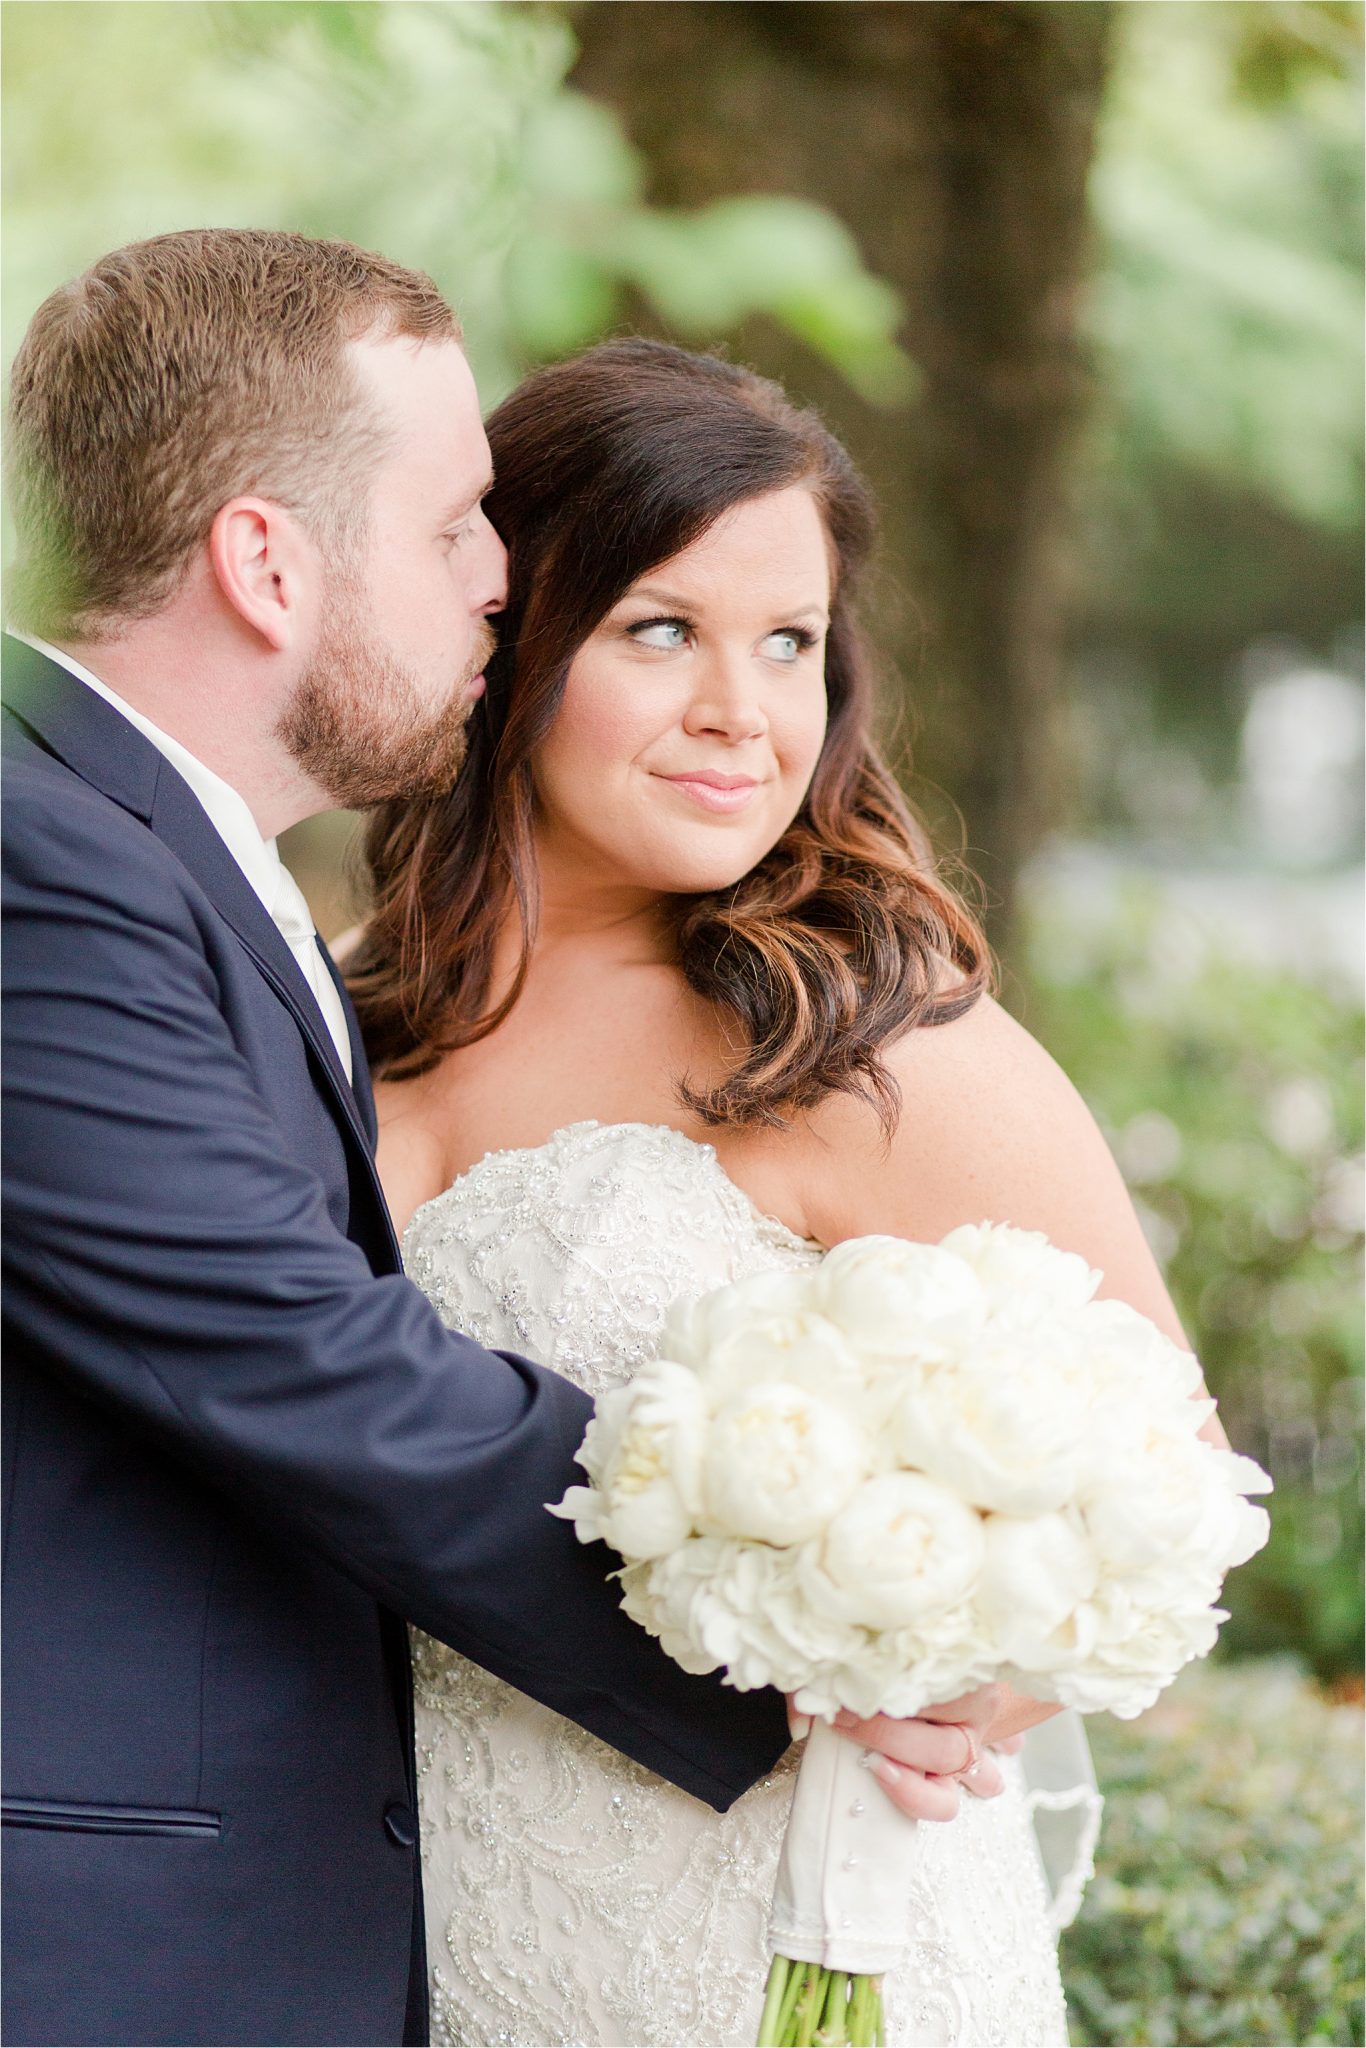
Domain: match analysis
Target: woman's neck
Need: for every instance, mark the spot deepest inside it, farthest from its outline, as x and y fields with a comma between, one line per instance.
x=600, y=933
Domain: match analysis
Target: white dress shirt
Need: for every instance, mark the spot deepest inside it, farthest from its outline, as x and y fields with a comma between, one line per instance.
x=259, y=859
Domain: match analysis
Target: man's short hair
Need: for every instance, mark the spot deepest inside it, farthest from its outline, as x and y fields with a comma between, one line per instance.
x=179, y=373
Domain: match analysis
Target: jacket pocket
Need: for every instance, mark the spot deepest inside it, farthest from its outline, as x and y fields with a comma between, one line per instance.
x=78, y=1817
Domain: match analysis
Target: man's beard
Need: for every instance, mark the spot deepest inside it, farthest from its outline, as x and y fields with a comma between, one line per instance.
x=359, y=723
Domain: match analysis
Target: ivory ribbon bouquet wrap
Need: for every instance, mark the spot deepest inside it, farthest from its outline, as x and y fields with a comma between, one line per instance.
x=891, y=1477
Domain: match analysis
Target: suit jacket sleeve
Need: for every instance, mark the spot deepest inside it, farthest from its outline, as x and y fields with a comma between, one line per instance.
x=176, y=1262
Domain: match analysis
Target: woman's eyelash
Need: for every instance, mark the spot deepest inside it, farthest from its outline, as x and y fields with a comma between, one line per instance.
x=803, y=635
x=665, y=619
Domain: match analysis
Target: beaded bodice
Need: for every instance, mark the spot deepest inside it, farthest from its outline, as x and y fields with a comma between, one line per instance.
x=572, y=1896
x=572, y=1251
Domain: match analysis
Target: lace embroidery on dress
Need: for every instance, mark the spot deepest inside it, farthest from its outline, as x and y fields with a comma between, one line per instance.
x=573, y=1897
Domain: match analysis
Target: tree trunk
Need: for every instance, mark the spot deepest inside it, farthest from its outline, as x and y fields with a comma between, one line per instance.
x=954, y=141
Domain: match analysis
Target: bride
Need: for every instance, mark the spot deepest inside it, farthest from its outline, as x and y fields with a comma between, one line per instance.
x=663, y=992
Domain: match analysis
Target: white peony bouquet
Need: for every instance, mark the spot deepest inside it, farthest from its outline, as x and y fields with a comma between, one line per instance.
x=880, y=1481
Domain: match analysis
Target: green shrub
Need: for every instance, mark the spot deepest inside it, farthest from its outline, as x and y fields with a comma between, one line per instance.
x=1227, y=1902
x=1232, y=1095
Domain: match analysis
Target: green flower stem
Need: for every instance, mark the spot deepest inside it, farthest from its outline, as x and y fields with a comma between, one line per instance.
x=833, y=2032
x=809, y=2007
x=770, y=2035
x=865, y=2016
x=797, y=1975
x=860, y=2009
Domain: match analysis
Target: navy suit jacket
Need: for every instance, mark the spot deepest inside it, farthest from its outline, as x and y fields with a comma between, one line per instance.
x=239, y=1446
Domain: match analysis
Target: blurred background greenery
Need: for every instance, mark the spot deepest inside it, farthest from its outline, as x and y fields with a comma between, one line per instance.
x=1081, y=286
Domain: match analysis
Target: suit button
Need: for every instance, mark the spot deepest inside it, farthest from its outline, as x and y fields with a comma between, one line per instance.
x=400, y=1826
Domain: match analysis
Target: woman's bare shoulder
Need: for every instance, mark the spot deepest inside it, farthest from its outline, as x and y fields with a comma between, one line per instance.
x=990, y=1129
x=974, y=1093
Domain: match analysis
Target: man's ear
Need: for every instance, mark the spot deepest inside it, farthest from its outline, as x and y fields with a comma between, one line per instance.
x=264, y=566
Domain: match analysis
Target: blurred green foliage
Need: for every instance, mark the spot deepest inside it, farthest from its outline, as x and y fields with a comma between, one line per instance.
x=1219, y=483
x=1227, y=1902
x=440, y=131
x=1232, y=1096
x=1227, y=197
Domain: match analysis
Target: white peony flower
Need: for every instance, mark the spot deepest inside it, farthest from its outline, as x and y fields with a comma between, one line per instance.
x=645, y=1453
x=779, y=1462
x=901, y=1551
x=783, y=1637
x=902, y=1671
x=1143, y=1502
x=1135, y=1653
x=670, y=1597
x=795, y=1345
x=695, y=1326
x=917, y=1468
x=1037, y=1575
x=604, y=1428
x=1232, y=1529
x=1240, y=1474
x=1027, y=1279
x=1251, y=1527
x=1168, y=1504
x=1004, y=1428
x=1132, y=1365
x=919, y=1668
x=899, y=1300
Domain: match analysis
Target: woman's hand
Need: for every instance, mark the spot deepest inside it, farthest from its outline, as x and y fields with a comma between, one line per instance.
x=999, y=1715
x=923, y=1764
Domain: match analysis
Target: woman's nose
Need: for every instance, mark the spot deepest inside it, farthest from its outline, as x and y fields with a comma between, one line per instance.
x=490, y=592
x=727, y=701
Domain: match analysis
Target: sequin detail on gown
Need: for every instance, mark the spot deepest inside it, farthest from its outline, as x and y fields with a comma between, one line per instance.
x=573, y=1897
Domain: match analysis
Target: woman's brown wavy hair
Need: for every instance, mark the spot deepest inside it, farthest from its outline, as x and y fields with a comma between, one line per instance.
x=834, y=944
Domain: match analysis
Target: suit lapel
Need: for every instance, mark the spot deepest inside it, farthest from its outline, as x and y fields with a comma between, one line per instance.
x=360, y=1066
x=180, y=822
x=115, y=758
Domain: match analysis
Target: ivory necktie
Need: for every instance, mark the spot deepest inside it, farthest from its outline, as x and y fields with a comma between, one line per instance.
x=295, y=924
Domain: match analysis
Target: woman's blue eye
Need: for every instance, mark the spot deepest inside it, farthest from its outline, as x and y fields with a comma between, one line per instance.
x=669, y=634
x=787, y=646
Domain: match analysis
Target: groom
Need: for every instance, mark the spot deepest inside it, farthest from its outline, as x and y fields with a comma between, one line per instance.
x=255, y=583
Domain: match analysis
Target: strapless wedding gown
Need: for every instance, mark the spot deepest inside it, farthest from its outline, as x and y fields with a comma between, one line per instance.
x=572, y=1896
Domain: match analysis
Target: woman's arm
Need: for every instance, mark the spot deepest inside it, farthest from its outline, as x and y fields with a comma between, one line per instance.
x=991, y=1130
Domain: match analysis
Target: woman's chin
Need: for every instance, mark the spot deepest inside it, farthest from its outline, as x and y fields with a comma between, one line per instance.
x=702, y=861
x=701, y=878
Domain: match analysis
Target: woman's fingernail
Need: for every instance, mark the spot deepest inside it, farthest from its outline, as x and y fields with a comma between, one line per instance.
x=885, y=1771
x=800, y=1724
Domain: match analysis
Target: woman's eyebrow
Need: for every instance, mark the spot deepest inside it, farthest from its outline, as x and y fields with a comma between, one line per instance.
x=655, y=593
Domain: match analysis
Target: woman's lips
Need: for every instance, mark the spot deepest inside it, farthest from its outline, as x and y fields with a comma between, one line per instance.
x=720, y=793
